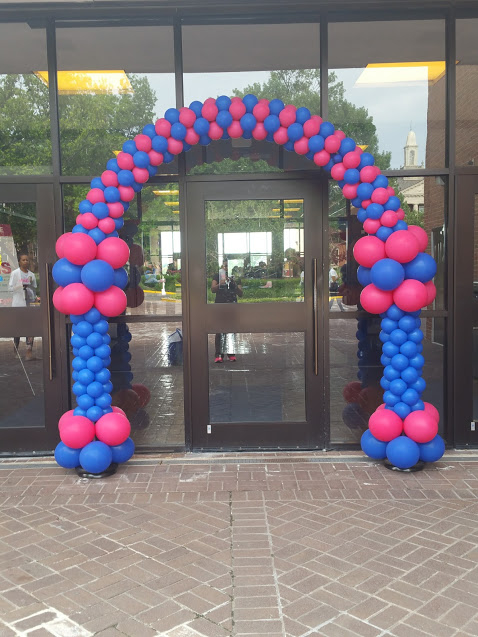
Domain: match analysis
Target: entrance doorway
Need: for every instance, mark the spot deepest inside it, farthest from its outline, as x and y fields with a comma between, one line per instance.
x=255, y=272
x=30, y=360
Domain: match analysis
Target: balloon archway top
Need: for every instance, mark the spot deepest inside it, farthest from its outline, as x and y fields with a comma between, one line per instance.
x=395, y=270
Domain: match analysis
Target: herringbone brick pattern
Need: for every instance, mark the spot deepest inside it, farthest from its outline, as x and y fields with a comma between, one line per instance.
x=232, y=545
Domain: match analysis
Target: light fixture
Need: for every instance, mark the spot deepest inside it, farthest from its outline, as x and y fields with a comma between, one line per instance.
x=279, y=217
x=166, y=192
x=90, y=82
x=286, y=209
x=171, y=203
x=403, y=73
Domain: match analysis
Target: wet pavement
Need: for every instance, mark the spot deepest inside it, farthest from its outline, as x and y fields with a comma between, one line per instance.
x=276, y=544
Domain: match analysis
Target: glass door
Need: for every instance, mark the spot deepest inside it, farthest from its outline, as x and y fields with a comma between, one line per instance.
x=255, y=289
x=31, y=397
x=465, y=361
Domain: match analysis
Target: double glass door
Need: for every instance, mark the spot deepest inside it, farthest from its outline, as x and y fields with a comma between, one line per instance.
x=256, y=291
x=30, y=362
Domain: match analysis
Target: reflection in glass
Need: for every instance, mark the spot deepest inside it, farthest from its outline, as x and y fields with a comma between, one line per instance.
x=475, y=373
x=21, y=398
x=107, y=93
x=266, y=382
x=389, y=84
x=151, y=230
x=265, y=68
x=466, y=88
x=262, y=242
x=25, y=145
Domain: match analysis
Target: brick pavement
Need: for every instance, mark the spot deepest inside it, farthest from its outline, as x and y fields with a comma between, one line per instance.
x=295, y=544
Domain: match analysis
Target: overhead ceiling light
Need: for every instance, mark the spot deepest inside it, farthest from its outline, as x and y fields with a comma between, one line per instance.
x=90, y=82
x=286, y=209
x=279, y=217
x=171, y=203
x=175, y=212
x=403, y=73
x=166, y=192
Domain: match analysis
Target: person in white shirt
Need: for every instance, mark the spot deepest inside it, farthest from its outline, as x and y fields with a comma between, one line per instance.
x=23, y=286
x=334, y=290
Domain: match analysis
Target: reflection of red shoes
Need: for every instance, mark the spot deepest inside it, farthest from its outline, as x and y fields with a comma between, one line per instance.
x=232, y=358
x=218, y=359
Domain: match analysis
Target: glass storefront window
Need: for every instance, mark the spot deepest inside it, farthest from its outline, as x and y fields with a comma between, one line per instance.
x=268, y=66
x=466, y=88
x=390, y=82
x=25, y=145
x=109, y=88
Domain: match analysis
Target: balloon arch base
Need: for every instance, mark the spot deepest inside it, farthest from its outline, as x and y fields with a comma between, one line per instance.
x=416, y=467
x=111, y=470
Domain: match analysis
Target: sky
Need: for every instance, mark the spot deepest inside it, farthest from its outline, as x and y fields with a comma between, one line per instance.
x=395, y=109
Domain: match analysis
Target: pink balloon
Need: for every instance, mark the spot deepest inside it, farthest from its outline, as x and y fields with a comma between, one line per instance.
x=287, y=116
x=113, y=250
x=106, y=225
x=351, y=159
x=338, y=171
x=126, y=193
x=95, y=195
x=371, y=225
x=65, y=417
x=76, y=298
x=301, y=146
x=237, y=108
x=432, y=411
x=111, y=302
x=382, y=406
x=155, y=159
x=209, y=111
x=380, y=195
x=60, y=244
x=187, y=116
x=113, y=429
x=401, y=215
x=340, y=134
x=163, y=127
x=402, y=246
x=321, y=158
x=77, y=431
x=421, y=237
x=79, y=248
x=175, y=146
x=116, y=209
x=117, y=410
x=332, y=143
x=281, y=136
x=192, y=138
x=369, y=174
x=109, y=178
x=349, y=191
x=385, y=425
x=215, y=131
x=312, y=127
x=143, y=142
x=389, y=218
x=420, y=426
x=410, y=296
x=431, y=292
x=369, y=250
x=88, y=220
x=261, y=111
x=125, y=161
x=391, y=191
x=235, y=130
x=366, y=203
x=141, y=175
x=259, y=131
x=57, y=301
x=374, y=300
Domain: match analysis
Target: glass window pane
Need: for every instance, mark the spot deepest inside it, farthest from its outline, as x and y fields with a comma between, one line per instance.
x=267, y=66
x=151, y=229
x=25, y=146
x=388, y=85
x=466, y=88
x=265, y=384
x=109, y=88
x=248, y=251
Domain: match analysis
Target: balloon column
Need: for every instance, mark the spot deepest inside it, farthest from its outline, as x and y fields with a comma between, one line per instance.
x=398, y=271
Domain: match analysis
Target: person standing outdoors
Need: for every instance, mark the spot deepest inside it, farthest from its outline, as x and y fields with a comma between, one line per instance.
x=226, y=289
x=23, y=286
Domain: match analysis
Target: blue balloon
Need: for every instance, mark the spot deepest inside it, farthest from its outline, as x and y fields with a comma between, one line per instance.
x=201, y=126
x=79, y=228
x=365, y=190
x=390, y=373
x=100, y=210
x=85, y=376
x=119, y=223
x=94, y=340
x=102, y=351
x=347, y=145
x=399, y=361
x=76, y=318
x=351, y=176
x=383, y=233
x=398, y=386
x=67, y=457
x=178, y=131
x=390, y=399
x=302, y=115
x=85, y=206
x=416, y=336
x=357, y=202
x=393, y=203
x=363, y=275
x=409, y=349
x=423, y=268
x=77, y=341
x=78, y=363
x=384, y=337
x=85, y=402
x=223, y=102
x=97, y=183
x=385, y=360
x=403, y=452
x=384, y=383
x=204, y=140
x=106, y=339
x=295, y=131
x=398, y=337
x=97, y=235
x=172, y=115
x=248, y=122
x=95, y=364
x=83, y=329
x=103, y=401
x=419, y=385
x=417, y=361
x=394, y=313
x=224, y=119
x=409, y=375
x=388, y=325
x=125, y=178
x=380, y=182
x=129, y=147
x=86, y=352
x=289, y=146
x=159, y=144
x=196, y=107
x=410, y=397
x=112, y=194
x=418, y=406
x=316, y=143
x=400, y=225
x=149, y=130
x=387, y=274
x=94, y=413
x=94, y=389
x=375, y=211
x=391, y=350
x=276, y=106
x=96, y=457
x=123, y=452
x=78, y=389
x=92, y=316
x=372, y=447
x=433, y=450
x=101, y=326
x=271, y=123
x=78, y=411
x=407, y=324
x=108, y=387
x=112, y=164
x=326, y=129
x=141, y=159
x=402, y=409
x=74, y=375
x=103, y=375
x=366, y=159
x=97, y=275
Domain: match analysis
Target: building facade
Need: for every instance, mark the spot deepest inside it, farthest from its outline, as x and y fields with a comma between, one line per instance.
x=295, y=362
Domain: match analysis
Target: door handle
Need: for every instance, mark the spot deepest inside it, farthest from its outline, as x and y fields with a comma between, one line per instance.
x=315, y=316
x=48, y=311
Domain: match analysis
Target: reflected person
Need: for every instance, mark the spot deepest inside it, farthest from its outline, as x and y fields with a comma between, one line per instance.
x=227, y=289
x=23, y=286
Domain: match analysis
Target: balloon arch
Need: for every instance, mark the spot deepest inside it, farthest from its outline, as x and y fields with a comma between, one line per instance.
x=395, y=271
